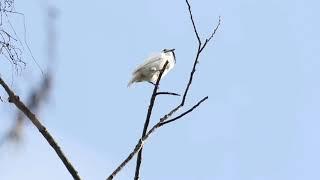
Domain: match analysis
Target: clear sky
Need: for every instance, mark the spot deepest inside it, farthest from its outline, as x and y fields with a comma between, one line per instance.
x=261, y=73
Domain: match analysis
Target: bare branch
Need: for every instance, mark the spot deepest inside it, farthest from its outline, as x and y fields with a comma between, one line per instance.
x=183, y=114
x=131, y=155
x=213, y=33
x=39, y=94
x=200, y=48
x=10, y=45
x=142, y=140
x=43, y=130
x=146, y=124
x=193, y=24
x=196, y=61
x=34, y=101
x=167, y=93
x=163, y=120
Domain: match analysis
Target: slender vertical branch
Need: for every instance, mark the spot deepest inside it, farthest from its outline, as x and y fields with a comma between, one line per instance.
x=146, y=124
x=42, y=129
x=193, y=23
x=199, y=50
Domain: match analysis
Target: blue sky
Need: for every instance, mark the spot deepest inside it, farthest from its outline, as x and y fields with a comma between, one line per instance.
x=261, y=73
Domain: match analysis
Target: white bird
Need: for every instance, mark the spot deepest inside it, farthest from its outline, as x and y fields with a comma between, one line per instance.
x=150, y=69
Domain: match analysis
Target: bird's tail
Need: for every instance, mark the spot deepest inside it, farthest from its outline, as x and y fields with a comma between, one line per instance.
x=131, y=81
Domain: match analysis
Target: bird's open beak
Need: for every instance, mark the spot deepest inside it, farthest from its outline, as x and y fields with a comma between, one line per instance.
x=170, y=50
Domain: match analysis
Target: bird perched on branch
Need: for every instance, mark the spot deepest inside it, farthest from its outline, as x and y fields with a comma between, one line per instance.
x=150, y=69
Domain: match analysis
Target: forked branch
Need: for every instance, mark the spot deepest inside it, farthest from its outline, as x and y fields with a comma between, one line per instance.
x=138, y=147
x=164, y=120
x=142, y=141
x=201, y=46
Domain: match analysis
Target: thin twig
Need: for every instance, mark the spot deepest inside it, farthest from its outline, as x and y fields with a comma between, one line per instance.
x=193, y=24
x=142, y=140
x=183, y=114
x=146, y=124
x=168, y=93
x=213, y=33
x=43, y=130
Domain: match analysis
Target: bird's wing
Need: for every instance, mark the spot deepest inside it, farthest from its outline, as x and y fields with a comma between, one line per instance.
x=149, y=63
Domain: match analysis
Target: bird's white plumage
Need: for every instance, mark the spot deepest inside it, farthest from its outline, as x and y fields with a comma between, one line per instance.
x=149, y=62
x=150, y=69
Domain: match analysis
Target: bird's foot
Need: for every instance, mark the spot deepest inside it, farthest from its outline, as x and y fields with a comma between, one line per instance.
x=152, y=83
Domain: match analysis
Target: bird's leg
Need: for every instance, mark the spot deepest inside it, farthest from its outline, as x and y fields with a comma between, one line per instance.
x=151, y=83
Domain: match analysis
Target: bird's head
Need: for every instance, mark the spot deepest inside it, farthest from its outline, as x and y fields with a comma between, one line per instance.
x=170, y=51
x=167, y=50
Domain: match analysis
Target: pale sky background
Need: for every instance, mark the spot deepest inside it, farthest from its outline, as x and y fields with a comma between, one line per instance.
x=261, y=73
